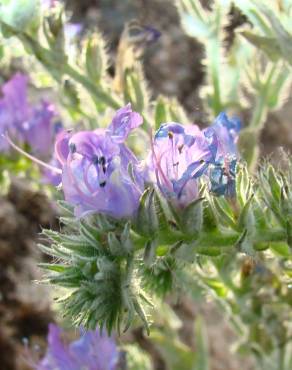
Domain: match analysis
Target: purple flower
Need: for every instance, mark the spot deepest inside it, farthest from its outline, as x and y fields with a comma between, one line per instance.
x=180, y=155
x=99, y=173
x=15, y=97
x=14, y=108
x=4, y=118
x=72, y=30
x=223, y=136
x=92, y=351
x=152, y=33
x=224, y=132
x=141, y=33
x=124, y=121
x=23, y=122
x=39, y=132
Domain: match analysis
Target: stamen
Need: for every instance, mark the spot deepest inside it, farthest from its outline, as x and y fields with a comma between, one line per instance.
x=102, y=160
x=72, y=148
x=31, y=157
x=170, y=134
x=102, y=184
x=180, y=148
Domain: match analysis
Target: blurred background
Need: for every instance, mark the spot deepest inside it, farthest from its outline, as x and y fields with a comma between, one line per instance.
x=173, y=67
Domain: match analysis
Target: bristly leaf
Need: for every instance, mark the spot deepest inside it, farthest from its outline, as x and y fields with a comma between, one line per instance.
x=98, y=265
x=96, y=60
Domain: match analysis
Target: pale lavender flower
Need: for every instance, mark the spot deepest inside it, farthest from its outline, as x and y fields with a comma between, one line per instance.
x=92, y=351
x=124, y=121
x=180, y=155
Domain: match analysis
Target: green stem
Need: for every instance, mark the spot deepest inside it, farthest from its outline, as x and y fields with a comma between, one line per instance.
x=259, y=117
x=213, y=56
x=259, y=114
x=281, y=357
x=94, y=90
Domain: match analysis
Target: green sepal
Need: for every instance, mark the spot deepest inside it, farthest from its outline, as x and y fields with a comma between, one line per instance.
x=66, y=208
x=223, y=215
x=246, y=218
x=146, y=222
x=192, y=218
x=126, y=240
x=149, y=253
x=114, y=244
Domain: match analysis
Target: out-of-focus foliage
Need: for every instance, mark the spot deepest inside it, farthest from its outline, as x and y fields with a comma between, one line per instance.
x=21, y=14
x=250, y=72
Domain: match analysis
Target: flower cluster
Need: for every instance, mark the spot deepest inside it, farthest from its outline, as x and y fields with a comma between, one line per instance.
x=92, y=351
x=23, y=122
x=101, y=174
x=97, y=170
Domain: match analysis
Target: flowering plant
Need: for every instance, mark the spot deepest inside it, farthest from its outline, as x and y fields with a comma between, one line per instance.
x=153, y=205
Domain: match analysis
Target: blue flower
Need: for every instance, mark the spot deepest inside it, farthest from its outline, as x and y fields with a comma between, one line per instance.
x=223, y=136
x=92, y=351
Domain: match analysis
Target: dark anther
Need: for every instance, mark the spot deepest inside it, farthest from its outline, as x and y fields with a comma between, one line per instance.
x=170, y=135
x=176, y=164
x=180, y=148
x=104, y=169
x=102, y=160
x=72, y=147
x=102, y=184
x=202, y=161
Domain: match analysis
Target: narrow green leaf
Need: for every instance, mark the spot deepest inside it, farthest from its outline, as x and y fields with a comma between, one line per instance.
x=202, y=352
x=268, y=45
